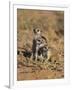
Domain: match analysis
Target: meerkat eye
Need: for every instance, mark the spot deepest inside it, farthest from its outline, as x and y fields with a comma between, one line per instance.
x=39, y=40
x=38, y=30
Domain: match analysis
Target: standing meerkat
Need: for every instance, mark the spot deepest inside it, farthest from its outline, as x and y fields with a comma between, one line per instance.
x=39, y=46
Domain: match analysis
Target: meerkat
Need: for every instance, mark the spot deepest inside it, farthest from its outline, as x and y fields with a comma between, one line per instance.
x=39, y=46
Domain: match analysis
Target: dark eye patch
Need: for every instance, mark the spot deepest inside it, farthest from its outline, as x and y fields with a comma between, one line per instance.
x=39, y=40
x=34, y=30
x=38, y=30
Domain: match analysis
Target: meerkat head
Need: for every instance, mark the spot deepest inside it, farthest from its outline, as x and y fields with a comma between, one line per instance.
x=37, y=31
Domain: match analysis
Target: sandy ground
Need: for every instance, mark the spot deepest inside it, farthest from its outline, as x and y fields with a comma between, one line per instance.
x=52, y=25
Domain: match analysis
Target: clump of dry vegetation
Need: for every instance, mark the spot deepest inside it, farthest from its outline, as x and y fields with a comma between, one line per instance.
x=52, y=25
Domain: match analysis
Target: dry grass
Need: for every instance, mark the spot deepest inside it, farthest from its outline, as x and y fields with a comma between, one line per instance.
x=52, y=25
